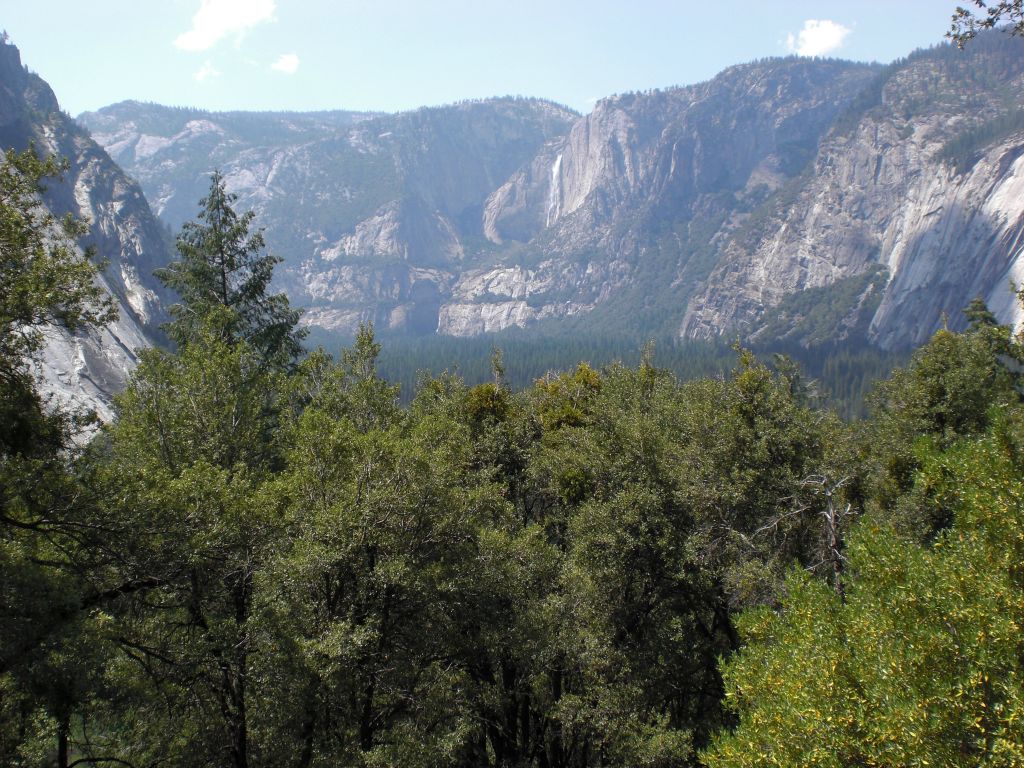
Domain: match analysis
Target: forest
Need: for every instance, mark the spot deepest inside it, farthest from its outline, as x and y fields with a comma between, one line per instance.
x=270, y=559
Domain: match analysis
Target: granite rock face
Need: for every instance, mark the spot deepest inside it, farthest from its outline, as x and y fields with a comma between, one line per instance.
x=925, y=181
x=888, y=195
x=401, y=219
x=376, y=216
x=86, y=369
x=631, y=187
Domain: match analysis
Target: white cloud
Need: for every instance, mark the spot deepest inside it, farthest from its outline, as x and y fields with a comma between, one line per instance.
x=818, y=38
x=217, y=19
x=287, y=63
x=206, y=72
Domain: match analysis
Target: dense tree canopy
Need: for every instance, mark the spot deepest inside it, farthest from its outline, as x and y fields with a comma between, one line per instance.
x=48, y=646
x=267, y=561
x=917, y=660
x=920, y=663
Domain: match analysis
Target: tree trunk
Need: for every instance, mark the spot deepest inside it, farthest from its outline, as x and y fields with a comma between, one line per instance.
x=62, y=742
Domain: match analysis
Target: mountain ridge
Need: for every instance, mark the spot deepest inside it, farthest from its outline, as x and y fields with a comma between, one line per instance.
x=86, y=369
x=667, y=209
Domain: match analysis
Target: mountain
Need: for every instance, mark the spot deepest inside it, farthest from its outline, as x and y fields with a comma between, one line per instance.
x=86, y=369
x=375, y=216
x=621, y=216
x=797, y=200
x=911, y=207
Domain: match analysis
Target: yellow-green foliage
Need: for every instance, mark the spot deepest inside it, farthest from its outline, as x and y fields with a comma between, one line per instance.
x=922, y=664
x=564, y=400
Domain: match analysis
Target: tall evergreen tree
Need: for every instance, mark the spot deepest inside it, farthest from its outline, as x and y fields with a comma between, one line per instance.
x=184, y=475
x=223, y=264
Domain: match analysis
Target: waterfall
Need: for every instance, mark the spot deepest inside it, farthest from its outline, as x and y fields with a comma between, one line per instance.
x=554, y=192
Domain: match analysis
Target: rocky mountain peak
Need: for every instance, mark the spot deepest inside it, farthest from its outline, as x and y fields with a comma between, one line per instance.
x=914, y=179
x=86, y=369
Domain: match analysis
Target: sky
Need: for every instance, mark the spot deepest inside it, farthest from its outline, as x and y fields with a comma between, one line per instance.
x=392, y=55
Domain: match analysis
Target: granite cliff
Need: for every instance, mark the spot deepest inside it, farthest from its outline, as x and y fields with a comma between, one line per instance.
x=376, y=216
x=85, y=369
x=797, y=199
x=920, y=183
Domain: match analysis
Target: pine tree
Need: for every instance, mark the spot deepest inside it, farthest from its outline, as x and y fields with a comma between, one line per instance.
x=184, y=480
x=223, y=277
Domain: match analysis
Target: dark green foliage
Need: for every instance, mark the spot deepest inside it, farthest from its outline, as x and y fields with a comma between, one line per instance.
x=529, y=359
x=304, y=573
x=979, y=315
x=948, y=391
x=194, y=448
x=843, y=373
x=846, y=374
x=222, y=268
x=1003, y=14
x=485, y=578
x=963, y=150
x=182, y=474
x=51, y=645
x=814, y=317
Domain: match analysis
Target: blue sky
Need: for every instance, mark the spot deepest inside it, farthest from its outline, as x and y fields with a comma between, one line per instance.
x=391, y=55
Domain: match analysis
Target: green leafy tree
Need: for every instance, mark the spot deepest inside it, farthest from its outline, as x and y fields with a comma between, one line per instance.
x=921, y=664
x=50, y=649
x=378, y=577
x=654, y=494
x=512, y=655
x=966, y=25
x=223, y=265
x=756, y=463
x=948, y=391
x=182, y=473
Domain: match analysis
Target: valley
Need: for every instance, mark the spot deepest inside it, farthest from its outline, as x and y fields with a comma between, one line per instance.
x=685, y=430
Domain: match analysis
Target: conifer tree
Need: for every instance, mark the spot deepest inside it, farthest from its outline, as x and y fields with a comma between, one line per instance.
x=185, y=475
x=224, y=265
